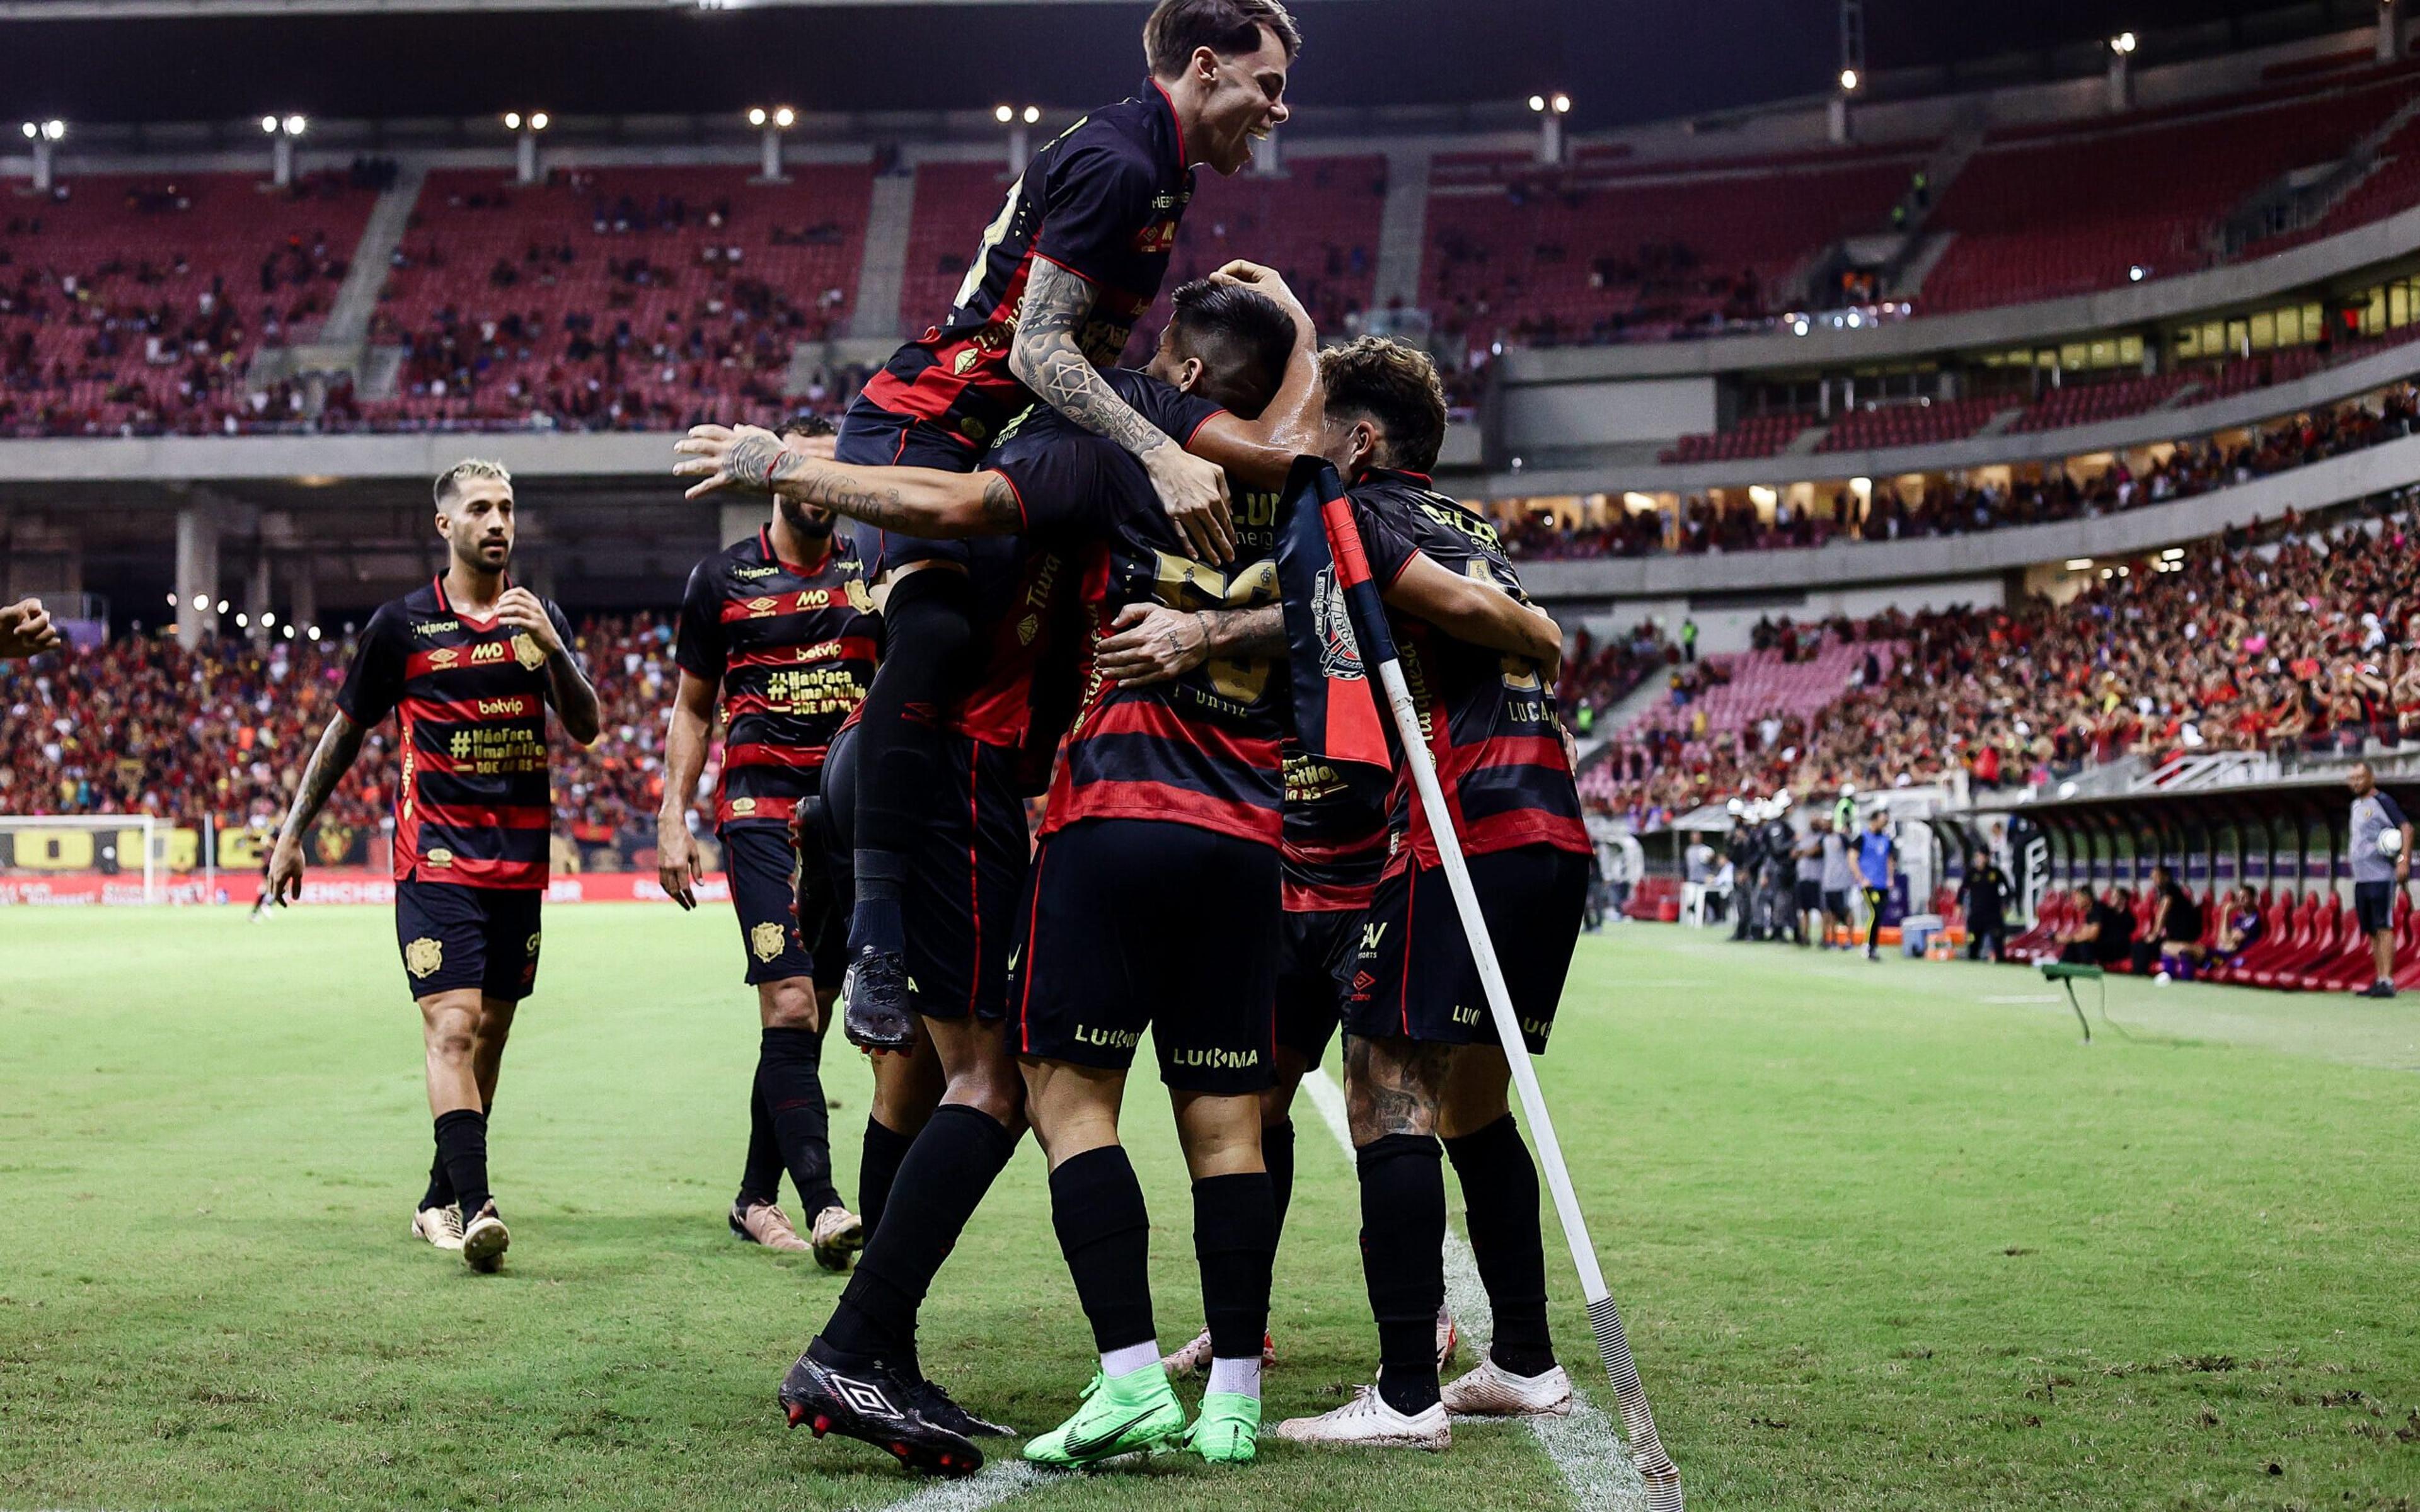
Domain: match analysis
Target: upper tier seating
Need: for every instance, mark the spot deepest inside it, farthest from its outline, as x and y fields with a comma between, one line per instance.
x=620, y=298
x=137, y=301
x=1911, y=425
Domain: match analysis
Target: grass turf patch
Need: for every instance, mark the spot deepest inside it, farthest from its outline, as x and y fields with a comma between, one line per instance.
x=1880, y=1244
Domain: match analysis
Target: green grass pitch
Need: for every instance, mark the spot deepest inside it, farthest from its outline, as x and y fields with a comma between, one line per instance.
x=1883, y=1242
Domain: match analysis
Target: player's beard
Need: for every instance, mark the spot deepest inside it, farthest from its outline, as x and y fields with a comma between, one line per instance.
x=815, y=526
x=474, y=556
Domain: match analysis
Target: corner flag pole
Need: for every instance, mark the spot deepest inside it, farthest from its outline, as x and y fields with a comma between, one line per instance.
x=1655, y=1466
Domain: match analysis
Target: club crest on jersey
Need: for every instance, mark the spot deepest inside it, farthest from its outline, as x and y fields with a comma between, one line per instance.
x=424, y=956
x=526, y=650
x=765, y=940
x=861, y=599
x=1340, y=655
x=743, y=807
x=439, y=857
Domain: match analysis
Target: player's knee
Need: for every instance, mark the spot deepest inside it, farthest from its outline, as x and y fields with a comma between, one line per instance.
x=788, y=1004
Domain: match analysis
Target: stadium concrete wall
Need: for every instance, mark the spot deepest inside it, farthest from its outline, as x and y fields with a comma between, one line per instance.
x=1599, y=415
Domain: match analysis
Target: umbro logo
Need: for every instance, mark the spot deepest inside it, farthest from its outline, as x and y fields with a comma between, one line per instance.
x=1363, y=981
x=863, y=1397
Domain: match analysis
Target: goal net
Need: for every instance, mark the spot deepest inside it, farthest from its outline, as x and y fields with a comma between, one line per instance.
x=99, y=858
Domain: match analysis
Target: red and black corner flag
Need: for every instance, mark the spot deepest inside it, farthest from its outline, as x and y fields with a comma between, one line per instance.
x=1336, y=626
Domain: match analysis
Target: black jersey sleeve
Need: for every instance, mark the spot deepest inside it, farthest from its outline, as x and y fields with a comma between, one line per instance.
x=698, y=645
x=374, y=683
x=563, y=633
x=1386, y=547
x=1066, y=488
x=1099, y=201
x=2392, y=811
x=1174, y=412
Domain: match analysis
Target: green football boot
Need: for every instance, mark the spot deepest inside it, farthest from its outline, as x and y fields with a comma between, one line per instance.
x=1228, y=1432
x=1120, y=1415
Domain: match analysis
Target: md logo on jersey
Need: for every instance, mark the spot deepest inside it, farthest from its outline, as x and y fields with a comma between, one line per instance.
x=487, y=651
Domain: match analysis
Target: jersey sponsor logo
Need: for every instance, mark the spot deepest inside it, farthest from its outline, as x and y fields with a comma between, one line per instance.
x=1160, y=236
x=1536, y=1026
x=765, y=941
x=753, y=572
x=527, y=652
x=435, y=626
x=487, y=651
x=1108, y=1039
x=443, y=656
x=761, y=606
x=1372, y=934
x=439, y=857
x=504, y=707
x=423, y=956
x=1217, y=1059
x=532, y=947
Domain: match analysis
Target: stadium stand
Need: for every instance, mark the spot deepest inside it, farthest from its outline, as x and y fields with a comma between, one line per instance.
x=143, y=725
x=1317, y=224
x=1757, y=436
x=2084, y=403
x=954, y=202
x=2044, y=211
x=1554, y=257
x=618, y=299
x=134, y=303
x=2391, y=187
x=1911, y=425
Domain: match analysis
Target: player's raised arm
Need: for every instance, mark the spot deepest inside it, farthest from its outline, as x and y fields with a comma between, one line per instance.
x=1151, y=642
x=340, y=746
x=1263, y=451
x=567, y=682
x=1048, y=358
x=911, y=500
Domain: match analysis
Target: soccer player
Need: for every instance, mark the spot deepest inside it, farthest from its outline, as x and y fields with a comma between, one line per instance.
x=2380, y=868
x=1422, y=1057
x=781, y=629
x=1877, y=869
x=1163, y=827
x=470, y=664
x=1076, y=254
x=26, y=630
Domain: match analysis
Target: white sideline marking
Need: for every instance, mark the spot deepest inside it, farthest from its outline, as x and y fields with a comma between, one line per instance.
x=995, y=1483
x=1585, y=1445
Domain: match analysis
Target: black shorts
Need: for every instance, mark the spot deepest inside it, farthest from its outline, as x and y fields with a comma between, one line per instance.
x=959, y=901
x=873, y=437
x=1416, y=978
x=453, y=938
x=1316, y=959
x=765, y=886
x=2373, y=905
x=1811, y=896
x=1836, y=903
x=1135, y=924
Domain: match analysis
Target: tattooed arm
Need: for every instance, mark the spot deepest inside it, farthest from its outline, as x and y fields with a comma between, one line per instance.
x=1048, y=358
x=924, y=501
x=1152, y=643
x=340, y=744
x=1469, y=608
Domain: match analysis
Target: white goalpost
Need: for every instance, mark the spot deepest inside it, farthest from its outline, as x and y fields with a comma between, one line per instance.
x=38, y=850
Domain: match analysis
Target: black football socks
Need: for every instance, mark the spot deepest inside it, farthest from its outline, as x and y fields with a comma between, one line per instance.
x=924, y=637
x=440, y=1186
x=1235, y=1240
x=877, y=1171
x=1500, y=1195
x=948, y=1168
x=760, y=1176
x=1276, y=1153
x=789, y=1079
x=1402, y=1258
x=463, y=1149
x=1105, y=1232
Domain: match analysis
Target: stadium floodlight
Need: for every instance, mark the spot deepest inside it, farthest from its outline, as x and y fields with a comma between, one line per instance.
x=1799, y=327
x=1366, y=620
x=32, y=130
x=784, y=115
x=1562, y=103
x=243, y=622
x=512, y=120
x=537, y=120
x=2134, y=273
x=1537, y=103
x=295, y=125
x=54, y=130
x=314, y=632
x=269, y=125
x=1003, y=114
x=289, y=630
x=1031, y=114
x=757, y=117
x=268, y=620
x=226, y=604
x=2122, y=43
x=1849, y=81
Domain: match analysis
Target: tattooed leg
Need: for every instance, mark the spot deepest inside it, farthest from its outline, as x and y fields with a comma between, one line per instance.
x=1394, y=1086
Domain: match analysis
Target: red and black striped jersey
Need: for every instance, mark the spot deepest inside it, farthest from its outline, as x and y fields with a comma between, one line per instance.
x=1102, y=201
x=1499, y=743
x=1020, y=692
x=472, y=805
x=1201, y=748
x=793, y=647
x=1334, y=840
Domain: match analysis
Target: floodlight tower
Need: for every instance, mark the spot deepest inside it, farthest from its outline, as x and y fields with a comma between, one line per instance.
x=1550, y=111
x=283, y=133
x=1020, y=123
x=525, y=130
x=45, y=137
x=1853, y=66
x=771, y=124
x=2121, y=57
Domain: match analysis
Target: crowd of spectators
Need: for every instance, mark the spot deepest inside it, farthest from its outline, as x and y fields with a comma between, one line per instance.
x=222, y=731
x=1952, y=508
x=2294, y=640
x=1598, y=676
